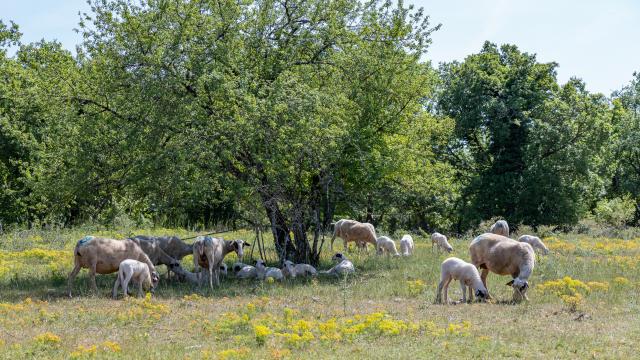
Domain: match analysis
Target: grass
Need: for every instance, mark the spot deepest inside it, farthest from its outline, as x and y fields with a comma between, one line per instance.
x=583, y=303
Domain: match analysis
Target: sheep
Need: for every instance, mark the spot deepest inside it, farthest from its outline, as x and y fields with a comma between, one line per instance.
x=343, y=266
x=223, y=269
x=457, y=269
x=264, y=272
x=293, y=270
x=406, y=245
x=351, y=230
x=103, y=256
x=209, y=252
x=440, y=241
x=237, y=266
x=247, y=272
x=504, y=256
x=137, y=271
x=384, y=244
x=500, y=227
x=171, y=245
x=535, y=243
x=151, y=247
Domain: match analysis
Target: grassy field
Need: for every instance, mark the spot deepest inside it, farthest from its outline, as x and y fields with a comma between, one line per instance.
x=584, y=303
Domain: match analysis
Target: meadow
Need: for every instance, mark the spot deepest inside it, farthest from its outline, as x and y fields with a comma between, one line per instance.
x=584, y=303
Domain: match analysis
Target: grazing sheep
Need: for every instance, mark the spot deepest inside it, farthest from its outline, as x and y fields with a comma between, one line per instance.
x=137, y=271
x=103, y=256
x=293, y=270
x=406, y=245
x=384, y=244
x=535, y=243
x=500, y=227
x=171, y=245
x=343, y=266
x=209, y=252
x=457, y=269
x=440, y=241
x=504, y=256
x=351, y=230
x=264, y=272
x=152, y=248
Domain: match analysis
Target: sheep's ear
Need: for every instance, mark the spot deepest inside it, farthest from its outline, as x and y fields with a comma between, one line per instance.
x=246, y=244
x=509, y=283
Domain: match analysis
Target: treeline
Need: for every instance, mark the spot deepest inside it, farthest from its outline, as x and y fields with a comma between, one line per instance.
x=294, y=113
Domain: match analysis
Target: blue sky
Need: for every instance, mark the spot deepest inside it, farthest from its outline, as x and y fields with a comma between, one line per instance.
x=597, y=41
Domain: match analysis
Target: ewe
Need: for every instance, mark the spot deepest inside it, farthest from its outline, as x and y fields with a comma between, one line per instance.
x=209, y=252
x=351, y=230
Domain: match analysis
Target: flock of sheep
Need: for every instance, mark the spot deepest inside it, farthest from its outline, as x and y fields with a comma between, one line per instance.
x=135, y=259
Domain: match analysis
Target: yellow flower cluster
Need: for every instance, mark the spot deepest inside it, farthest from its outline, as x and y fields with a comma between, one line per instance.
x=572, y=291
x=47, y=339
x=236, y=354
x=143, y=308
x=621, y=281
x=20, y=262
x=416, y=287
x=87, y=352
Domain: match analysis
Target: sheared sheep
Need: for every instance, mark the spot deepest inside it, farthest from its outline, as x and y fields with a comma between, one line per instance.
x=457, y=269
x=209, y=252
x=504, y=256
x=103, y=256
x=151, y=247
x=264, y=272
x=384, y=244
x=406, y=245
x=343, y=266
x=351, y=230
x=294, y=270
x=137, y=271
x=535, y=243
x=440, y=241
x=500, y=227
x=173, y=246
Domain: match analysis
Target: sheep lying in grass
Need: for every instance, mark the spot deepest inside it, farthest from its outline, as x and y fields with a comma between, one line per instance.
x=264, y=272
x=351, y=230
x=343, y=266
x=294, y=270
x=384, y=244
x=223, y=269
x=504, y=256
x=247, y=272
x=457, y=269
x=406, y=245
x=103, y=256
x=440, y=241
x=209, y=252
x=500, y=227
x=137, y=271
x=535, y=243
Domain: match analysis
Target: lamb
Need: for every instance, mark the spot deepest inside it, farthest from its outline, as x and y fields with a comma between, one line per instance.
x=223, y=269
x=293, y=270
x=246, y=272
x=384, y=244
x=406, y=245
x=264, y=272
x=500, y=227
x=351, y=230
x=504, y=256
x=237, y=266
x=457, y=269
x=440, y=241
x=209, y=252
x=137, y=271
x=535, y=243
x=343, y=266
x=103, y=256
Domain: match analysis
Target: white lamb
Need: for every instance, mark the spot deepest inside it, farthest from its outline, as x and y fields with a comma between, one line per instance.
x=406, y=245
x=137, y=271
x=535, y=243
x=440, y=241
x=457, y=269
x=293, y=270
x=263, y=272
x=343, y=266
x=384, y=244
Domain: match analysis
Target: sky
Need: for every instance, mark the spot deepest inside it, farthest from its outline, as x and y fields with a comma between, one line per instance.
x=597, y=41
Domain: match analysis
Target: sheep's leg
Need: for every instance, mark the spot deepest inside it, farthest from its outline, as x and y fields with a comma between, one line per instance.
x=125, y=284
x=114, y=293
x=92, y=277
x=464, y=291
x=211, y=274
x=439, y=294
x=72, y=276
x=470, y=294
x=216, y=272
x=140, y=290
x=483, y=277
x=446, y=290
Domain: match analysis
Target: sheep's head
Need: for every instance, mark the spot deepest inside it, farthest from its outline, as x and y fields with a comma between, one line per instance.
x=289, y=267
x=260, y=264
x=238, y=246
x=520, y=286
x=223, y=269
x=449, y=248
x=155, y=279
x=338, y=257
x=237, y=267
x=482, y=295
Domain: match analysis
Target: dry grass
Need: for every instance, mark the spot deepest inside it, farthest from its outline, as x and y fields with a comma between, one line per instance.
x=385, y=311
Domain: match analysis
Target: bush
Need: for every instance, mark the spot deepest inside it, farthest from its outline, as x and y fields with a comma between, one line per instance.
x=614, y=212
